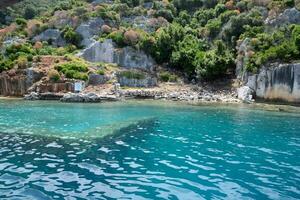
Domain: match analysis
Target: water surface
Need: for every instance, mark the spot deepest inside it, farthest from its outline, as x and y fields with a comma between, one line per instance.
x=146, y=150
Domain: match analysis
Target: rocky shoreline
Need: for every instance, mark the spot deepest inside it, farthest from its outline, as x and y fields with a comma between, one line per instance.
x=154, y=94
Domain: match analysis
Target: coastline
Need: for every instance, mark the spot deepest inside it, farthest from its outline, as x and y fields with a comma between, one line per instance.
x=260, y=105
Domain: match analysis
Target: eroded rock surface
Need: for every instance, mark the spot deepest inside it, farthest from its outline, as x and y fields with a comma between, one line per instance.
x=127, y=57
x=277, y=82
x=51, y=35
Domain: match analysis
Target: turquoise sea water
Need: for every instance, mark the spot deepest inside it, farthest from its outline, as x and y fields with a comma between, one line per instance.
x=146, y=150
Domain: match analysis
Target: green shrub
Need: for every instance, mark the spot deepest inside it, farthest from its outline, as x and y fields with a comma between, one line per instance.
x=22, y=62
x=100, y=72
x=53, y=75
x=5, y=64
x=117, y=37
x=21, y=22
x=73, y=69
x=30, y=12
x=71, y=36
x=168, y=77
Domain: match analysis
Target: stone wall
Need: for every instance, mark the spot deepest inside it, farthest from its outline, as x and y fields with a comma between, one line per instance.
x=146, y=82
x=17, y=82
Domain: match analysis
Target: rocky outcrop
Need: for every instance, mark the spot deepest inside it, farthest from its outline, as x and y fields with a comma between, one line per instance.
x=53, y=36
x=99, y=52
x=17, y=82
x=289, y=16
x=148, y=24
x=245, y=94
x=127, y=57
x=89, y=29
x=97, y=79
x=276, y=82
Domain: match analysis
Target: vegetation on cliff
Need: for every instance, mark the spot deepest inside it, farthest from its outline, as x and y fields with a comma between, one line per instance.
x=197, y=38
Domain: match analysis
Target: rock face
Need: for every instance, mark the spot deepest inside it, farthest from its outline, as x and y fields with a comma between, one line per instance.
x=89, y=29
x=277, y=82
x=99, y=52
x=289, y=16
x=128, y=57
x=125, y=57
x=17, y=82
x=51, y=35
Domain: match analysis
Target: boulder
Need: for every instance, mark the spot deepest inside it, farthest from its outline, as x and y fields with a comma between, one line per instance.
x=245, y=94
x=97, y=79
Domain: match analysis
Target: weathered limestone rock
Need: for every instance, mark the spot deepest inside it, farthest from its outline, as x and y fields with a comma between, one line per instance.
x=17, y=82
x=280, y=82
x=289, y=16
x=129, y=57
x=89, y=29
x=99, y=52
x=51, y=35
x=244, y=50
x=245, y=94
x=125, y=57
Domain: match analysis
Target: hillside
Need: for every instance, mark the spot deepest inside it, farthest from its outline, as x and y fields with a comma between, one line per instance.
x=197, y=41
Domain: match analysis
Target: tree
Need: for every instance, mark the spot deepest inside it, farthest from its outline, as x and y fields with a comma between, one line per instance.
x=30, y=12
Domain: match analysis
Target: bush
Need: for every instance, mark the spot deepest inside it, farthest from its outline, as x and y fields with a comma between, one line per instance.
x=21, y=22
x=53, y=75
x=100, y=72
x=30, y=12
x=22, y=62
x=117, y=37
x=73, y=69
x=185, y=53
x=131, y=37
x=167, y=77
x=71, y=36
x=5, y=64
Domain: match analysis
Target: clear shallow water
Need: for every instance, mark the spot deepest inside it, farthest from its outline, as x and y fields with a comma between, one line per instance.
x=147, y=151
